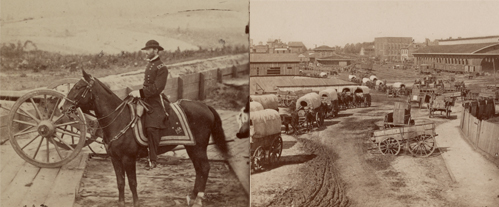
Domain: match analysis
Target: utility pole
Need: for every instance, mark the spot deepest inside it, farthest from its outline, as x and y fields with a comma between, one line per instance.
x=494, y=65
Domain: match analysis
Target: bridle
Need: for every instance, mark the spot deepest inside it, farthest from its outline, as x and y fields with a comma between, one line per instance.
x=86, y=91
x=120, y=108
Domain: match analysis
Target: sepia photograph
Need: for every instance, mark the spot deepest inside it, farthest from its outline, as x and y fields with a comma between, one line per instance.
x=124, y=103
x=374, y=103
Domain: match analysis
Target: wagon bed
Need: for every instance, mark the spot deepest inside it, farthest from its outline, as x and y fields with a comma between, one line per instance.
x=418, y=139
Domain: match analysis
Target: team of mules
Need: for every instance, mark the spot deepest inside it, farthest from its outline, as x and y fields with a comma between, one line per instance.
x=91, y=94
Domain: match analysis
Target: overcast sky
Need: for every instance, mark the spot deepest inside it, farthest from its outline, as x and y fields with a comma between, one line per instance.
x=340, y=22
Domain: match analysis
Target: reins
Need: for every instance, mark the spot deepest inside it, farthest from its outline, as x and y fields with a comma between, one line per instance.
x=119, y=108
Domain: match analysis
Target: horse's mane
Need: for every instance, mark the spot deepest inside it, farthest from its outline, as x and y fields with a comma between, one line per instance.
x=106, y=88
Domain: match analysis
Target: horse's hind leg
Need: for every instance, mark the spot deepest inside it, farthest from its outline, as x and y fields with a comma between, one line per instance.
x=120, y=178
x=199, y=159
x=130, y=169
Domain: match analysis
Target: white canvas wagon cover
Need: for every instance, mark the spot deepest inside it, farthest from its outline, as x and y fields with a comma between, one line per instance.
x=365, y=89
x=264, y=123
x=365, y=80
x=268, y=101
x=373, y=77
x=398, y=85
x=309, y=100
x=350, y=77
x=328, y=95
x=255, y=106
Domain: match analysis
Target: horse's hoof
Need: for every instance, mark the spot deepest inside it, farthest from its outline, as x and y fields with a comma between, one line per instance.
x=188, y=198
x=198, y=202
x=121, y=203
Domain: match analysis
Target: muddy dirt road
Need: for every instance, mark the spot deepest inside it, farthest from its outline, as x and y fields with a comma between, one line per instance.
x=344, y=168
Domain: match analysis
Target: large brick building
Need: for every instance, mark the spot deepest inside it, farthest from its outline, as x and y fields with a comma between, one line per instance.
x=389, y=48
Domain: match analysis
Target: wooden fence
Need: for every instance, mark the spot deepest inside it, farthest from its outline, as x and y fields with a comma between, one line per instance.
x=190, y=86
x=482, y=135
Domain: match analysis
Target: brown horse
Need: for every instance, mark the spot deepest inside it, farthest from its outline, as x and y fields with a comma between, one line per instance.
x=91, y=94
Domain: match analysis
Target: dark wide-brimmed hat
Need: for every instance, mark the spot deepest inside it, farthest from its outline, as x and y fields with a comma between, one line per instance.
x=152, y=44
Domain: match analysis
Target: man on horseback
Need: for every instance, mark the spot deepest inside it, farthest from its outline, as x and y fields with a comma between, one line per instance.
x=154, y=83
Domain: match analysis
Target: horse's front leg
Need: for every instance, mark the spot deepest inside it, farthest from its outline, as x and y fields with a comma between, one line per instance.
x=120, y=178
x=130, y=169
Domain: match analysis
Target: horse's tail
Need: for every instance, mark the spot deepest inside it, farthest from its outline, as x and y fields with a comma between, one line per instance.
x=218, y=132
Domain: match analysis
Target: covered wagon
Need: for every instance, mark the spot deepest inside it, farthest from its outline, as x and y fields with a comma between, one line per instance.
x=400, y=88
x=362, y=97
x=351, y=77
x=373, y=78
x=365, y=81
x=345, y=96
x=265, y=138
x=379, y=82
x=255, y=106
x=268, y=101
x=310, y=105
x=330, y=98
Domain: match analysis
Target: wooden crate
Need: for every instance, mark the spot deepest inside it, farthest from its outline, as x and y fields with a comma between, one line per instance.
x=399, y=112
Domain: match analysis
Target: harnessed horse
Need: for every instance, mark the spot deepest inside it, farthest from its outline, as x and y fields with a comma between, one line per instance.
x=115, y=120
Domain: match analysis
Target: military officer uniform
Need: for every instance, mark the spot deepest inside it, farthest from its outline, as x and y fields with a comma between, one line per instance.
x=154, y=83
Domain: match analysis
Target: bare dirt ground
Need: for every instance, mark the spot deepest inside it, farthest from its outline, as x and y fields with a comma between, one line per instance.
x=346, y=171
x=166, y=185
x=359, y=175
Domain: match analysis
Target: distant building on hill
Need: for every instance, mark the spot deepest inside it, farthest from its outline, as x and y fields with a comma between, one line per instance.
x=297, y=47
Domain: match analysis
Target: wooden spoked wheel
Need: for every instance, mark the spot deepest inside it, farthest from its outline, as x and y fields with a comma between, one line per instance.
x=64, y=86
x=422, y=145
x=258, y=159
x=41, y=134
x=275, y=151
x=318, y=119
x=389, y=146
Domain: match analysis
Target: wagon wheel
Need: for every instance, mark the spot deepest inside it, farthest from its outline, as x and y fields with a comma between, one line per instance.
x=35, y=120
x=275, y=151
x=64, y=86
x=257, y=159
x=389, y=146
x=422, y=145
x=317, y=119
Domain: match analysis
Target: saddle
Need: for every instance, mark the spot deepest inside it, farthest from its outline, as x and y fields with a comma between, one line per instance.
x=178, y=131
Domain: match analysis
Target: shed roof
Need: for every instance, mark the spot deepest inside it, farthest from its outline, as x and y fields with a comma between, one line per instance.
x=269, y=83
x=335, y=57
x=296, y=44
x=468, y=38
x=461, y=49
x=324, y=47
x=275, y=57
